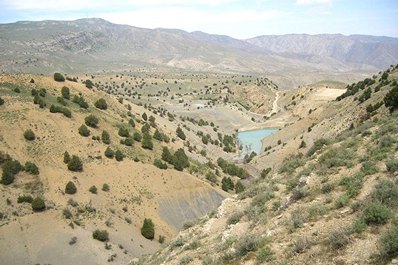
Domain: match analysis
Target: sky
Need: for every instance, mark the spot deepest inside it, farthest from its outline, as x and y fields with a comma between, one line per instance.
x=237, y=18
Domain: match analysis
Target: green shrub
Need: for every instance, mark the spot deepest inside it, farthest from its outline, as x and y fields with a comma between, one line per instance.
x=291, y=163
x=29, y=135
x=359, y=226
x=1, y=101
x=389, y=243
x=158, y=163
x=10, y=169
x=392, y=165
x=101, y=104
x=31, y=168
x=75, y=164
x=38, y=204
x=137, y=137
x=91, y=121
x=147, y=141
x=119, y=155
x=93, y=189
x=84, y=131
x=66, y=157
x=129, y=141
x=101, y=235
x=239, y=187
x=318, y=144
x=338, y=239
x=67, y=214
x=70, y=188
x=326, y=188
x=148, y=229
x=210, y=176
x=89, y=83
x=246, y=244
x=369, y=168
x=376, y=213
x=25, y=198
x=144, y=116
x=391, y=99
x=234, y=218
x=264, y=254
x=105, y=187
x=180, y=160
x=166, y=155
x=158, y=135
x=109, y=153
x=145, y=128
x=80, y=101
x=123, y=132
x=132, y=123
x=59, y=77
x=105, y=137
x=265, y=172
x=301, y=244
x=65, y=92
x=386, y=192
x=180, y=133
x=342, y=201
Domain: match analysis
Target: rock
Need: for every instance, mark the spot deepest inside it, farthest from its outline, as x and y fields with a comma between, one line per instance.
x=394, y=261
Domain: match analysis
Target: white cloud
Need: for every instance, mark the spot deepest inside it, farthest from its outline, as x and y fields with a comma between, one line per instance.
x=313, y=2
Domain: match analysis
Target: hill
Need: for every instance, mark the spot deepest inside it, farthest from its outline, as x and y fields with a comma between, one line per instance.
x=332, y=199
x=95, y=45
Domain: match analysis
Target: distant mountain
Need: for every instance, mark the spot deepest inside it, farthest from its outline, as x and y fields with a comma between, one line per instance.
x=374, y=51
x=93, y=45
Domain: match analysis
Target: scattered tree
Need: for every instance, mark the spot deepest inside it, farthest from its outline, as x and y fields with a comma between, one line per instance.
x=59, y=77
x=109, y=153
x=75, y=164
x=84, y=131
x=106, y=139
x=65, y=92
x=101, y=104
x=70, y=188
x=180, y=133
x=38, y=204
x=101, y=235
x=148, y=229
x=91, y=121
x=119, y=155
x=29, y=135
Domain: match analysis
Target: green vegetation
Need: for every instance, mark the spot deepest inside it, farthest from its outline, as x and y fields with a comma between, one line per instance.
x=70, y=188
x=10, y=168
x=231, y=168
x=119, y=155
x=109, y=153
x=105, y=137
x=75, y=164
x=84, y=131
x=101, y=104
x=65, y=92
x=180, y=160
x=93, y=189
x=180, y=133
x=1, y=101
x=376, y=213
x=159, y=164
x=391, y=99
x=123, y=132
x=91, y=121
x=66, y=157
x=389, y=243
x=148, y=229
x=101, y=235
x=147, y=141
x=38, y=205
x=29, y=135
x=25, y=198
x=31, y=168
x=59, y=77
x=58, y=109
x=80, y=101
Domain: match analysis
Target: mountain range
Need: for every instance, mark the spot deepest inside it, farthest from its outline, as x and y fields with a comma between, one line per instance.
x=94, y=45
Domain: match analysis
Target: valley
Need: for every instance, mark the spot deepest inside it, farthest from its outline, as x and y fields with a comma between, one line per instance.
x=125, y=145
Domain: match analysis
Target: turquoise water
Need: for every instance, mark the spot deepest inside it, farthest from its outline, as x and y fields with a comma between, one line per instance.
x=251, y=140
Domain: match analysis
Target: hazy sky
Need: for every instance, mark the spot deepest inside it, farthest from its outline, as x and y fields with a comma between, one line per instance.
x=237, y=18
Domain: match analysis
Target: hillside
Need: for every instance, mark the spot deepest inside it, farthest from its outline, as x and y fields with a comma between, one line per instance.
x=113, y=191
x=331, y=197
x=95, y=45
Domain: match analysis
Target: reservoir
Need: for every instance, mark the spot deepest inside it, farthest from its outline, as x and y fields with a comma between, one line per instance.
x=251, y=140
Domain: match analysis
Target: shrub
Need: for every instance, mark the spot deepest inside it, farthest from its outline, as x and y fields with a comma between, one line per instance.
x=10, y=169
x=180, y=133
x=389, y=243
x=359, y=226
x=123, y=132
x=132, y=123
x=93, y=189
x=31, y=168
x=91, y=121
x=101, y=235
x=265, y=172
x=148, y=229
x=84, y=131
x=105, y=187
x=137, y=137
x=234, y=218
x=29, y=135
x=65, y=92
x=109, y=153
x=326, y=188
x=119, y=155
x=59, y=77
x=101, y=104
x=386, y=192
x=301, y=244
x=161, y=239
x=75, y=164
x=1, y=101
x=264, y=254
x=338, y=239
x=376, y=213
x=105, y=137
x=391, y=99
x=247, y=244
x=66, y=157
x=129, y=141
x=158, y=135
x=342, y=201
x=25, y=198
x=147, y=141
x=210, y=176
x=392, y=165
x=38, y=204
x=158, y=163
x=318, y=144
x=80, y=101
x=369, y=168
x=239, y=187
x=89, y=83
x=180, y=160
x=144, y=116
x=67, y=214
x=70, y=188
